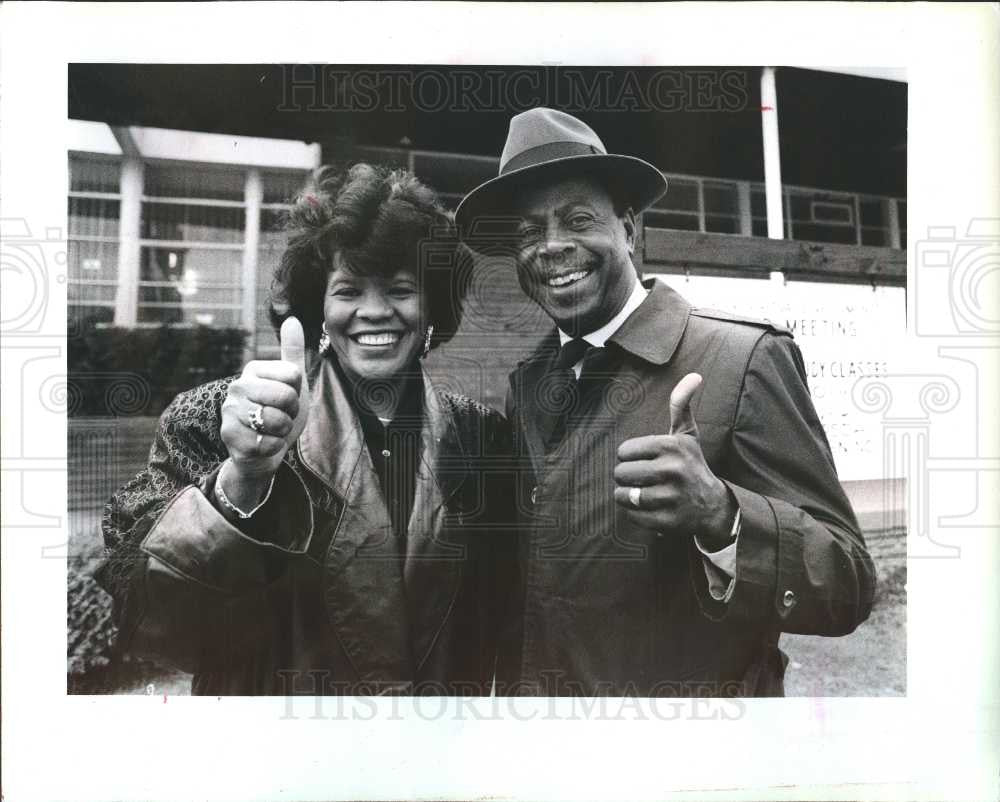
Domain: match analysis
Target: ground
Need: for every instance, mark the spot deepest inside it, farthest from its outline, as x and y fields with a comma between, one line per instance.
x=869, y=662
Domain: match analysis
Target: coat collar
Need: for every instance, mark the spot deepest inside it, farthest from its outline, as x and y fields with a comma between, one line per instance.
x=653, y=331
x=386, y=600
x=332, y=443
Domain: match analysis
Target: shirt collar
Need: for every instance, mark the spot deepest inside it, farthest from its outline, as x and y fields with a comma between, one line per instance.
x=604, y=333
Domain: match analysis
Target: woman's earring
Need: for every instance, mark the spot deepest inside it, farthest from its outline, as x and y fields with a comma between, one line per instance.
x=427, y=341
x=324, y=341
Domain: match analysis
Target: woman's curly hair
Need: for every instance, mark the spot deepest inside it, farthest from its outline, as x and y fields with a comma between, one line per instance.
x=379, y=220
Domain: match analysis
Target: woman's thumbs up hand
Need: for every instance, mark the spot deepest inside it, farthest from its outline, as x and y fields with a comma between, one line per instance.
x=264, y=413
x=293, y=352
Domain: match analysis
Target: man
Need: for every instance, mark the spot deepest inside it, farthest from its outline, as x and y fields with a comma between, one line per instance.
x=679, y=499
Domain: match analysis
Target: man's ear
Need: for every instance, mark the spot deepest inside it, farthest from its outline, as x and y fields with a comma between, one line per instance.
x=628, y=220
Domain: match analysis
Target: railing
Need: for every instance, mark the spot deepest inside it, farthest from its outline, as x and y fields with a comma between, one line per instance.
x=196, y=229
x=720, y=206
x=697, y=203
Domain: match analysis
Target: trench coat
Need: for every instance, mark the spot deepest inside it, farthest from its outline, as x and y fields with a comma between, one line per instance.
x=315, y=594
x=602, y=607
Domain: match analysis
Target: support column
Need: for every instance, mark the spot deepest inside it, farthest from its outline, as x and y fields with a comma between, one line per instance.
x=253, y=195
x=701, y=206
x=895, y=235
x=772, y=153
x=746, y=213
x=130, y=217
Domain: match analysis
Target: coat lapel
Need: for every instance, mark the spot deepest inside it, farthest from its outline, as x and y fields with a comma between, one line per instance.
x=434, y=562
x=386, y=601
x=363, y=578
x=536, y=416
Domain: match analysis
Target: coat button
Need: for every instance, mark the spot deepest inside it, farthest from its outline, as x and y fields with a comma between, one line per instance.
x=534, y=494
x=386, y=452
x=788, y=599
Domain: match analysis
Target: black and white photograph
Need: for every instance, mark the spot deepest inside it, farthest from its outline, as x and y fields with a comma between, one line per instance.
x=325, y=437
x=452, y=400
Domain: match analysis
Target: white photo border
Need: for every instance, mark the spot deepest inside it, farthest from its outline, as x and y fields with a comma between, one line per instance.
x=940, y=741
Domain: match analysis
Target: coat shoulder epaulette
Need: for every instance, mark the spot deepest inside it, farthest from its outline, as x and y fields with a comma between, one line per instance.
x=762, y=323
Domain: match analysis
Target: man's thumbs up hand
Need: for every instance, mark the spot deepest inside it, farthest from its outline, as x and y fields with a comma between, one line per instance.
x=663, y=481
x=681, y=416
x=266, y=410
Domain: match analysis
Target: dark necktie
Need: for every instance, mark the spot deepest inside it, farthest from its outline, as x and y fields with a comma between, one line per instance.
x=562, y=389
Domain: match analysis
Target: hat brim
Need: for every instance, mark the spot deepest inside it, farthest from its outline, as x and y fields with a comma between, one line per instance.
x=629, y=180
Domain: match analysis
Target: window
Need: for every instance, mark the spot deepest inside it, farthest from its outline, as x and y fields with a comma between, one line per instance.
x=278, y=191
x=192, y=231
x=721, y=205
x=714, y=206
x=677, y=209
x=698, y=204
x=92, y=238
x=189, y=263
x=453, y=175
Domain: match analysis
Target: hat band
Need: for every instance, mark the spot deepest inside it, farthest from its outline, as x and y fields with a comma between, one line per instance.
x=548, y=152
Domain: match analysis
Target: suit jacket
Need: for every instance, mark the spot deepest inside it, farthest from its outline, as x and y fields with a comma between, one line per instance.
x=601, y=606
x=315, y=594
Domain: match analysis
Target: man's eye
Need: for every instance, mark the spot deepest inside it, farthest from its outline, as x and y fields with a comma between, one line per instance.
x=346, y=292
x=579, y=220
x=402, y=292
x=529, y=233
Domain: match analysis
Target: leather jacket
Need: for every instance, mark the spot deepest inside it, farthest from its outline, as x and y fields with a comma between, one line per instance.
x=314, y=594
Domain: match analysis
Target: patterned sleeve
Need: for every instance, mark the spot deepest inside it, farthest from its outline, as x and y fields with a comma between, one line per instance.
x=186, y=450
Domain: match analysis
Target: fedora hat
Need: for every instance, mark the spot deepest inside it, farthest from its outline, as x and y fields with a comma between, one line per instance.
x=545, y=143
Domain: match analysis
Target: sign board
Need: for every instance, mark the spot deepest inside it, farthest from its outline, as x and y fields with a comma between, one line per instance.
x=846, y=332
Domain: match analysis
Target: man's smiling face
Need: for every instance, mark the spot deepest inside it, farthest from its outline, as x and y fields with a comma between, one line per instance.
x=573, y=253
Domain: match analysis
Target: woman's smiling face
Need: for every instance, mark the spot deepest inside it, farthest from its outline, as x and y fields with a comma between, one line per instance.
x=375, y=323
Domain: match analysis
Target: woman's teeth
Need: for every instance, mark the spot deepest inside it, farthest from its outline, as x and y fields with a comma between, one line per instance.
x=382, y=338
x=569, y=278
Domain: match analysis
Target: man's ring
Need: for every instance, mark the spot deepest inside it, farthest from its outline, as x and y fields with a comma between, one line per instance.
x=634, y=496
x=256, y=419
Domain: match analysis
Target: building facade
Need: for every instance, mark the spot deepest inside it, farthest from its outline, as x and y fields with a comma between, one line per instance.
x=184, y=229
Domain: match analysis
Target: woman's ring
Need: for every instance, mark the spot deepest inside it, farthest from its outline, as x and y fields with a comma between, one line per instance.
x=260, y=438
x=256, y=419
x=634, y=496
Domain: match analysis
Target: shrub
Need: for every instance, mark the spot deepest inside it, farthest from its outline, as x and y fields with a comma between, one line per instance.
x=117, y=371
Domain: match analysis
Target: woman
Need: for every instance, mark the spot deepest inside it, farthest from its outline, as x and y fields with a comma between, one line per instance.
x=325, y=530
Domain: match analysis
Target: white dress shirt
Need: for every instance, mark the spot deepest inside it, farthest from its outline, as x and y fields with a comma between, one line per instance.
x=720, y=566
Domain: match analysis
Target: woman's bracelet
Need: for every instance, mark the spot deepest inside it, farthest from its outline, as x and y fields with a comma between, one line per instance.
x=227, y=504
